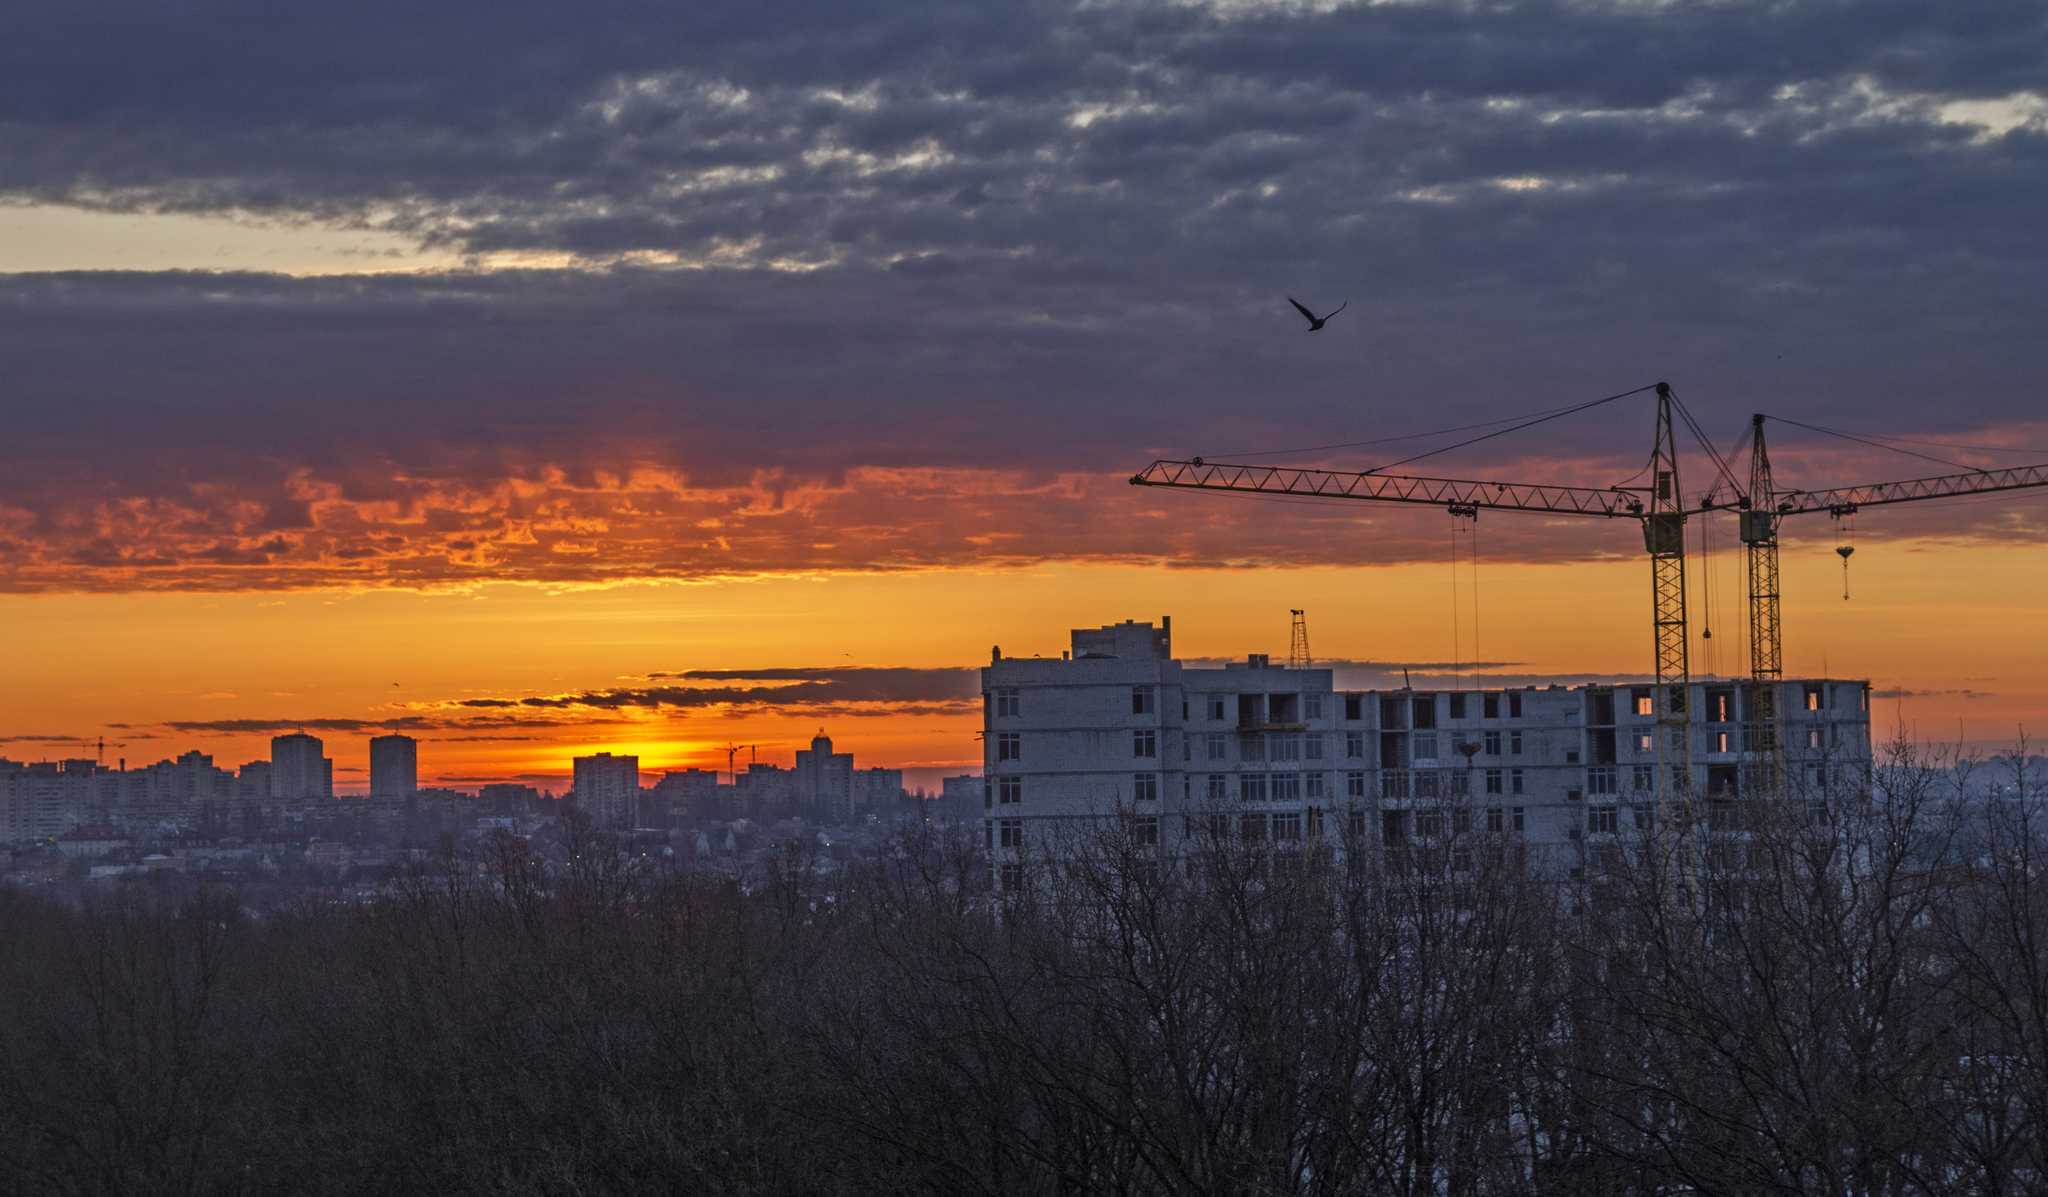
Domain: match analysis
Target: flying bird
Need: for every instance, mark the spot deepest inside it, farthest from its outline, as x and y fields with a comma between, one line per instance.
x=1315, y=322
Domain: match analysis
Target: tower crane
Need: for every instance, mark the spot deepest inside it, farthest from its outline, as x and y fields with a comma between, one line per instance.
x=1762, y=509
x=733, y=750
x=1658, y=506
x=1661, y=509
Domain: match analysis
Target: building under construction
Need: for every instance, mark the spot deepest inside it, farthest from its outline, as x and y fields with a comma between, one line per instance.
x=1115, y=726
x=1695, y=748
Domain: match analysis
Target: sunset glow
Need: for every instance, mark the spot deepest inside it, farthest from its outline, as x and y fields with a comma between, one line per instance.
x=665, y=379
x=1948, y=633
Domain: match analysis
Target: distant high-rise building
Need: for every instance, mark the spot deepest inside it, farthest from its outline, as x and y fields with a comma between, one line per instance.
x=961, y=799
x=608, y=789
x=299, y=768
x=394, y=766
x=765, y=791
x=877, y=788
x=829, y=789
x=252, y=784
x=825, y=781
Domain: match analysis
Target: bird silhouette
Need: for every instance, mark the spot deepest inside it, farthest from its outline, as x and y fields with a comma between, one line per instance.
x=1315, y=322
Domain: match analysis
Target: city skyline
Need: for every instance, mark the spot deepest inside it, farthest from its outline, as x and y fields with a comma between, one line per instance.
x=705, y=343
x=922, y=717
x=299, y=750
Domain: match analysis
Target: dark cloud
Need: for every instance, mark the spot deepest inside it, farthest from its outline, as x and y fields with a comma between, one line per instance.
x=247, y=727
x=948, y=691
x=1431, y=667
x=253, y=727
x=954, y=270
x=852, y=692
x=896, y=681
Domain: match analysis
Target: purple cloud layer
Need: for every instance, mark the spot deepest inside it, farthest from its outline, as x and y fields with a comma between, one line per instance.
x=893, y=285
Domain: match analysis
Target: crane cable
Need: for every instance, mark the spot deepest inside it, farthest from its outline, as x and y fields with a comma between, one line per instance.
x=1710, y=606
x=1950, y=445
x=1850, y=436
x=1457, y=657
x=1469, y=523
x=1845, y=527
x=1563, y=411
x=1845, y=545
x=1706, y=446
x=1472, y=536
x=1384, y=440
x=1526, y=422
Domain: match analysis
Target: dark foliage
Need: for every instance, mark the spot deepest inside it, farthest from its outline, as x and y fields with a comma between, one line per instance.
x=1848, y=1002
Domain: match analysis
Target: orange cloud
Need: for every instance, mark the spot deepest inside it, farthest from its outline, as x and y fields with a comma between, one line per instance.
x=381, y=528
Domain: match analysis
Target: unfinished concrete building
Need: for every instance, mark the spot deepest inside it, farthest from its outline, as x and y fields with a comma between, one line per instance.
x=1117, y=725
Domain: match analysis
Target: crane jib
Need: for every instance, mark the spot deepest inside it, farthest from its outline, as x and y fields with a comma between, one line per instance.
x=1848, y=498
x=1607, y=503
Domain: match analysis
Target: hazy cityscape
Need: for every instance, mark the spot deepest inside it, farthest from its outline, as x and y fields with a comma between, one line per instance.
x=73, y=819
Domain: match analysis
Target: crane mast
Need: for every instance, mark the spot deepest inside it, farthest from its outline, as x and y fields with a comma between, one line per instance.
x=1664, y=537
x=1759, y=531
x=1297, y=642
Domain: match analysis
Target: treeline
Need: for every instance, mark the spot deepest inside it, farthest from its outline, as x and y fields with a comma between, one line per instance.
x=1849, y=1000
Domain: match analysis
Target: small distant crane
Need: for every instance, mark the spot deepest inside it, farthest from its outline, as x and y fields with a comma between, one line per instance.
x=732, y=750
x=1297, y=647
x=102, y=741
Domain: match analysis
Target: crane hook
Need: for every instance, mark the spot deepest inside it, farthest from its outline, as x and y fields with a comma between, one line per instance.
x=1845, y=539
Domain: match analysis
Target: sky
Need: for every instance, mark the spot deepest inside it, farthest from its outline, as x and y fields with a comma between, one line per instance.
x=662, y=378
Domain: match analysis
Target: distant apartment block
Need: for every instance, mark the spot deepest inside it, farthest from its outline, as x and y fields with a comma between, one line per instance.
x=824, y=781
x=692, y=794
x=48, y=799
x=607, y=788
x=252, y=784
x=394, y=766
x=959, y=799
x=1117, y=724
x=299, y=768
x=39, y=800
x=508, y=794
x=823, y=787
